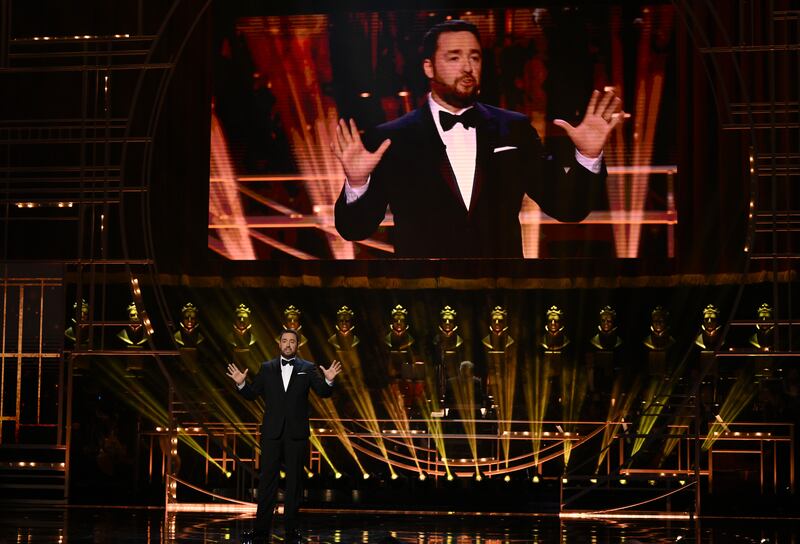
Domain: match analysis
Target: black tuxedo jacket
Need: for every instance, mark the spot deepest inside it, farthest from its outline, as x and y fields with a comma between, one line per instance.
x=415, y=179
x=286, y=411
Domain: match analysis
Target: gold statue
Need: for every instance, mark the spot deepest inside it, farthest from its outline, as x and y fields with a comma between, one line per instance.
x=78, y=332
x=498, y=340
x=500, y=362
x=134, y=335
x=189, y=335
x=555, y=338
x=764, y=337
x=399, y=340
x=242, y=336
x=403, y=372
x=447, y=345
x=659, y=338
x=291, y=320
x=607, y=338
x=709, y=337
x=344, y=339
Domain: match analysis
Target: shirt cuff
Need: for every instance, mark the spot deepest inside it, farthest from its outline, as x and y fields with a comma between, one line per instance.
x=241, y=386
x=351, y=194
x=329, y=382
x=592, y=165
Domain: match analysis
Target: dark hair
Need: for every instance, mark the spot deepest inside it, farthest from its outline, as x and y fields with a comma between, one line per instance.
x=431, y=39
x=291, y=331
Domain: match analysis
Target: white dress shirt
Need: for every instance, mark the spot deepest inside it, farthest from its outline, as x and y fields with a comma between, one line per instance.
x=461, y=147
x=286, y=374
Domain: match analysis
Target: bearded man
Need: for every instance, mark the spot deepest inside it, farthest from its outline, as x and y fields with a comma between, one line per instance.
x=454, y=171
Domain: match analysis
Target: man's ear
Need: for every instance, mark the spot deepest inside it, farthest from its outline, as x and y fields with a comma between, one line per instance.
x=427, y=67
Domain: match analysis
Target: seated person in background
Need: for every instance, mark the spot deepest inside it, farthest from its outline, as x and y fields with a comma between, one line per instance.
x=464, y=396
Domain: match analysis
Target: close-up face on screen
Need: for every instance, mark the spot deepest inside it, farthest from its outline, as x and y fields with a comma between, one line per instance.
x=501, y=133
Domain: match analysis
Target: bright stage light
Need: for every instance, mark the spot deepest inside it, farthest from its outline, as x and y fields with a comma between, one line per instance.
x=623, y=481
x=564, y=480
x=507, y=478
x=365, y=476
x=449, y=477
x=422, y=476
x=228, y=474
x=394, y=476
x=337, y=475
x=535, y=479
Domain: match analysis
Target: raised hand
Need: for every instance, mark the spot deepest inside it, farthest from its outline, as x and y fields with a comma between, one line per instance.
x=234, y=374
x=358, y=163
x=602, y=115
x=331, y=372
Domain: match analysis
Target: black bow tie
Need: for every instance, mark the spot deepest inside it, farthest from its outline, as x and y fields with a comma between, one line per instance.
x=469, y=119
x=285, y=362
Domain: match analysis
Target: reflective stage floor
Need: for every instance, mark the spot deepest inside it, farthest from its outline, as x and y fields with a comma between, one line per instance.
x=129, y=525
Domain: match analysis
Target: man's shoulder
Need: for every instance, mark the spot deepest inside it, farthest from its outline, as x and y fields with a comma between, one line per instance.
x=304, y=364
x=503, y=115
x=404, y=122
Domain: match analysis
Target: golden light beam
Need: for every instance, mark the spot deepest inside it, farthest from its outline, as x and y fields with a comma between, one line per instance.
x=434, y=424
x=618, y=409
x=740, y=396
x=573, y=393
x=393, y=401
x=327, y=410
x=503, y=385
x=537, y=394
x=359, y=394
x=464, y=393
x=318, y=445
x=142, y=401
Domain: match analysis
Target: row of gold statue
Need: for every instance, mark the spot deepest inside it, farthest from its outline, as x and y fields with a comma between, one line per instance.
x=446, y=338
x=439, y=365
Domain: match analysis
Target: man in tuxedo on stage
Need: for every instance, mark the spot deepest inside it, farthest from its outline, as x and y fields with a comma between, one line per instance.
x=454, y=171
x=283, y=384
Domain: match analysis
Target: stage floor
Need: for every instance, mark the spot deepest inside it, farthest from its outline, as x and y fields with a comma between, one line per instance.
x=132, y=525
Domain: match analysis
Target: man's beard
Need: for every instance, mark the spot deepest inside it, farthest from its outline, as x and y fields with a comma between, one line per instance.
x=454, y=97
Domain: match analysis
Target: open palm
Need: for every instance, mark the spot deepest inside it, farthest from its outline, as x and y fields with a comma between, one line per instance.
x=236, y=375
x=357, y=162
x=331, y=372
x=602, y=115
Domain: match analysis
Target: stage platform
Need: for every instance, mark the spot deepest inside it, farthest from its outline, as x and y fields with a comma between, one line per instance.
x=131, y=524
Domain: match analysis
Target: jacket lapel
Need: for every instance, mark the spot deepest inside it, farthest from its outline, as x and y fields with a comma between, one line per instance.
x=486, y=137
x=276, y=370
x=433, y=144
x=297, y=362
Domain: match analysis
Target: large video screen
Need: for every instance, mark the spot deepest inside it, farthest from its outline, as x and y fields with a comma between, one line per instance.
x=506, y=133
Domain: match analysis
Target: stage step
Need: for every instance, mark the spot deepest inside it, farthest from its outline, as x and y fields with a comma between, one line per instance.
x=33, y=474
